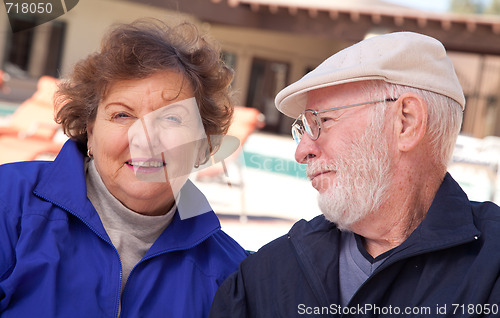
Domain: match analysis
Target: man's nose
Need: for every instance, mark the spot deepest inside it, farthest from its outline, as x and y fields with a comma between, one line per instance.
x=306, y=150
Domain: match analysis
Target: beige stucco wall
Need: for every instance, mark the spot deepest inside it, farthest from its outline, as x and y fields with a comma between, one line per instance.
x=300, y=52
x=90, y=19
x=5, y=30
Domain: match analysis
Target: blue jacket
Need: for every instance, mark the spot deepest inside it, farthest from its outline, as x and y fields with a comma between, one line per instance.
x=448, y=267
x=56, y=259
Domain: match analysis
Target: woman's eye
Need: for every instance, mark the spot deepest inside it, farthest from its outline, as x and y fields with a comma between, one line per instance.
x=120, y=116
x=173, y=119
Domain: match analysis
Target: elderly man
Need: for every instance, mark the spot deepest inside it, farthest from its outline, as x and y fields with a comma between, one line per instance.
x=376, y=125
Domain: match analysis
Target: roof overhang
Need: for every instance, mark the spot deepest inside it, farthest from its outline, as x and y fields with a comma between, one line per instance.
x=345, y=20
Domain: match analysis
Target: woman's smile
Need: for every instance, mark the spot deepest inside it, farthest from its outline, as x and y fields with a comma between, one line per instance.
x=147, y=164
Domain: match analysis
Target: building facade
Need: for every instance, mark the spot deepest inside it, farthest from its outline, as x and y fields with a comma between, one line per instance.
x=269, y=43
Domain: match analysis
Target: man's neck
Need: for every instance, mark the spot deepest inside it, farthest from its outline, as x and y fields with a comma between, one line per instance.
x=391, y=224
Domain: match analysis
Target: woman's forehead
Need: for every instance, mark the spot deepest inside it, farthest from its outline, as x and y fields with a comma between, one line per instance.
x=167, y=85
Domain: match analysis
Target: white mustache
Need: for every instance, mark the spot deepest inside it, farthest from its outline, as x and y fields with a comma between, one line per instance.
x=317, y=167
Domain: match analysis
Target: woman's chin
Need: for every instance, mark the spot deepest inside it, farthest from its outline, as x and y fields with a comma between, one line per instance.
x=159, y=175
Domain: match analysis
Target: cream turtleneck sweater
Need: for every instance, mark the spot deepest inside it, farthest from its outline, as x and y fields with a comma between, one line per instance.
x=131, y=233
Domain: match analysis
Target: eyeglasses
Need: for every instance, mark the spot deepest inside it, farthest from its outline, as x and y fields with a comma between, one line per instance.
x=309, y=122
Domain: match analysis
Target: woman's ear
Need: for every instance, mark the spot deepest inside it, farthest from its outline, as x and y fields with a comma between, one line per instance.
x=203, y=152
x=411, y=124
x=90, y=131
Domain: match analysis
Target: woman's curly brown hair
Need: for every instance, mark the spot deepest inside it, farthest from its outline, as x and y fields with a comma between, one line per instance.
x=139, y=50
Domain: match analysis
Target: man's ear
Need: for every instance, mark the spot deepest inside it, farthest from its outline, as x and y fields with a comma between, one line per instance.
x=411, y=121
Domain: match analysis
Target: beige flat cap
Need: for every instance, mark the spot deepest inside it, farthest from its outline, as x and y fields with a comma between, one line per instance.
x=404, y=58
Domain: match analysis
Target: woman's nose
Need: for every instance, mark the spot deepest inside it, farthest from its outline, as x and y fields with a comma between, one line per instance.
x=306, y=150
x=144, y=136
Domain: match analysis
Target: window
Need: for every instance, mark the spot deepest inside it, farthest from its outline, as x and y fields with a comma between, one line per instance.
x=267, y=78
x=35, y=51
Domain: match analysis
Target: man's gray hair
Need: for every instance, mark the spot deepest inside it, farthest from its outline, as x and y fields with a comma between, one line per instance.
x=444, y=115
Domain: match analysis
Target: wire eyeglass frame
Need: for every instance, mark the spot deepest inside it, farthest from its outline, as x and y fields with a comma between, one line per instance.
x=301, y=125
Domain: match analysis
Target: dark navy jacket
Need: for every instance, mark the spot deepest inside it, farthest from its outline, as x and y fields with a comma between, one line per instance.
x=56, y=259
x=448, y=267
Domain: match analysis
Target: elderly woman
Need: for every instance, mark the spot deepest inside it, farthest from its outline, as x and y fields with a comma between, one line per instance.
x=113, y=227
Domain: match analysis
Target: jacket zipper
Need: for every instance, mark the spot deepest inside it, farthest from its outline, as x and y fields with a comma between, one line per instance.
x=169, y=251
x=102, y=238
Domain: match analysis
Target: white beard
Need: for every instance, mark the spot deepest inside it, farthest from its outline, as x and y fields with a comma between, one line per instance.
x=363, y=174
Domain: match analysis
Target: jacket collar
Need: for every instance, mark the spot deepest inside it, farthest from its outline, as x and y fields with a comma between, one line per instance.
x=316, y=246
x=63, y=184
x=193, y=222
x=448, y=222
